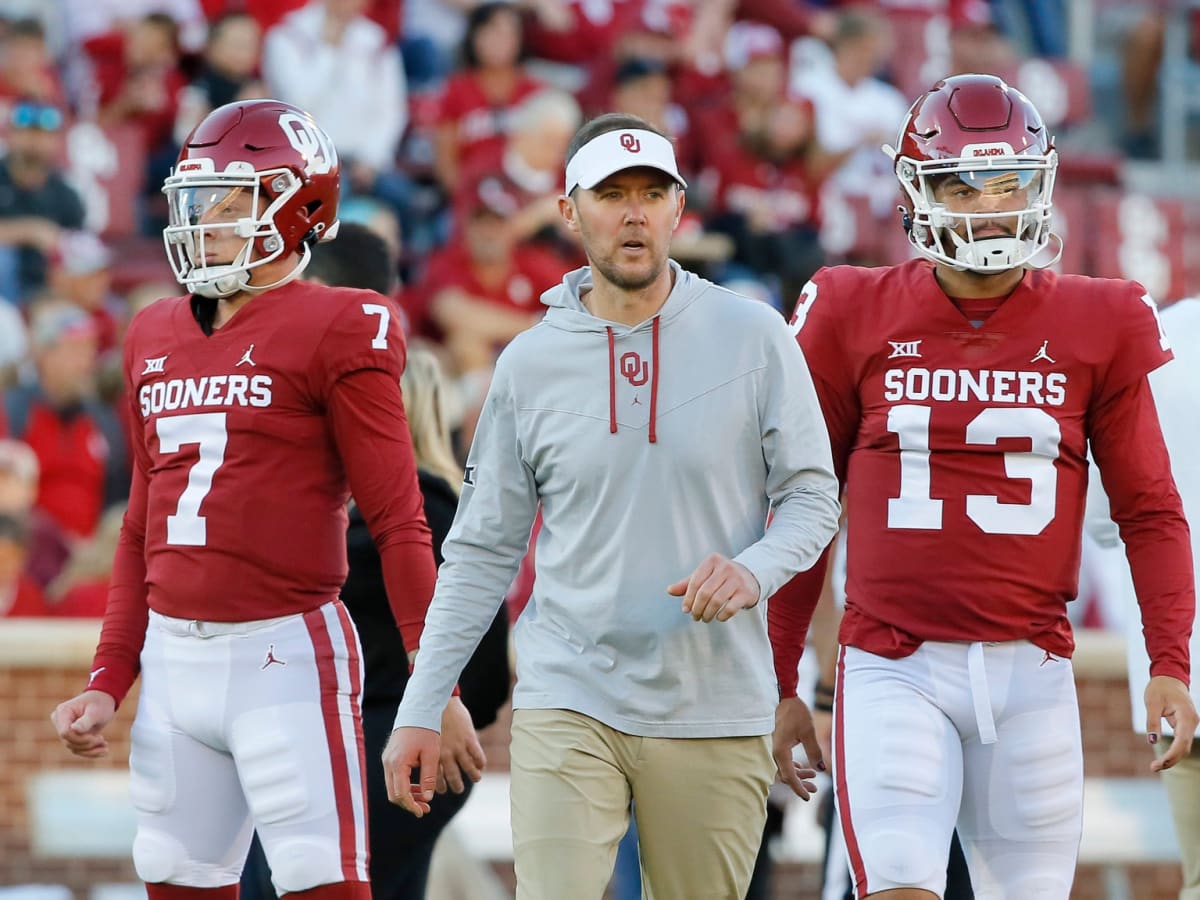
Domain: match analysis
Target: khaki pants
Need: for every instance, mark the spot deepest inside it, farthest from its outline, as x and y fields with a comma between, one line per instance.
x=1182, y=782
x=701, y=805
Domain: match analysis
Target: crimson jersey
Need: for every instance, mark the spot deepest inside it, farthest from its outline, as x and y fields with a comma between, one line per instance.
x=247, y=443
x=481, y=124
x=964, y=454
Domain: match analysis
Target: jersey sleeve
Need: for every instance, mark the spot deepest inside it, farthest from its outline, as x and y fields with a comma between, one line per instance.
x=367, y=332
x=116, y=665
x=816, y=328
x=1140, y=344
x=367, y=418
x=1135, y=468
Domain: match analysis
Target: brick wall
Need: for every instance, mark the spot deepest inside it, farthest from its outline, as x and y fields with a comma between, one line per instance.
x=42, y=664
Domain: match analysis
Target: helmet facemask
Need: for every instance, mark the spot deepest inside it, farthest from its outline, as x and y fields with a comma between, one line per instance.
x=206, y=207
x=935, y=228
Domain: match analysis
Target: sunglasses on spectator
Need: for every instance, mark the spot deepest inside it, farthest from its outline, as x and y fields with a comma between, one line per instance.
x=29, y=115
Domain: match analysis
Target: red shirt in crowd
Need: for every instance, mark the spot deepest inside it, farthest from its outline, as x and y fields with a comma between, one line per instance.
x=480, y=124
x=533, y=271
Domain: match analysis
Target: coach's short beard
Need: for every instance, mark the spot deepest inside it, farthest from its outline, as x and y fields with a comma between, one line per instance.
x=617, y=278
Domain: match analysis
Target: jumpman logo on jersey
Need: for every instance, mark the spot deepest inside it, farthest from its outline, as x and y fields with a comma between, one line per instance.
x=246, y=357
x=155, y=366
x=95, y=673
x=636, y=401
x=272, y=658
x=1042, y=354
x=1049, y=657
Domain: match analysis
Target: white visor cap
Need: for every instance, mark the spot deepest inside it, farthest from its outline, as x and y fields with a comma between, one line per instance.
x=615, y=151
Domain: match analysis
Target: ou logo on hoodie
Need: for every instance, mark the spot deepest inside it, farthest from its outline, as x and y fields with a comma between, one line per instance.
x=635, y=369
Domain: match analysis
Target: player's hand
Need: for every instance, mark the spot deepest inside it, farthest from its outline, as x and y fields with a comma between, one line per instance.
x=1168, y=698
x=408, y=749
x=461, y=750
x=81, y=720
x=717, y=589
x=794, y=725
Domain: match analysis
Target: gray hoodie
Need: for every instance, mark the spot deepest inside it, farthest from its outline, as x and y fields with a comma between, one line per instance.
x=648, y=447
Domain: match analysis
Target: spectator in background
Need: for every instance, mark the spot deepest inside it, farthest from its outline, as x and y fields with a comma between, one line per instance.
x=88, y=19
x=81, y=589
x=484, y=288
x=530, y=170
x=36, y=203
x=855, y=111
x=767, y=199
x=430, y=35
x=27, y=69
x=49, y=548
x=138, y=80
x=757, y=66
x=229, y=71
x=1045, y=22
x=331, y=60
x=642, y=87
x=14, y=342
x=80, y=273
x=19, y=595
x=79, y=444
x=475, y=111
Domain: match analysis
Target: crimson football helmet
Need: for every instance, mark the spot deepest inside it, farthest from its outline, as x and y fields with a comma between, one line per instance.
x=989, y=136
x=259, y=170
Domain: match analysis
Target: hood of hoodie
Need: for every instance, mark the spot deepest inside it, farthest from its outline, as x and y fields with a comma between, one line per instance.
x=566, y=310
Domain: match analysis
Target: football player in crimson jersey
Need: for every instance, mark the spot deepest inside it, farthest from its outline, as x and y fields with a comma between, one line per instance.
x=961, y=398
x=258, y=403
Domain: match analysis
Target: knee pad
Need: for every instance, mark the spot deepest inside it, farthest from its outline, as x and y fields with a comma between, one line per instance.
x=902, y=854
x=301, y=863
x=157, y=856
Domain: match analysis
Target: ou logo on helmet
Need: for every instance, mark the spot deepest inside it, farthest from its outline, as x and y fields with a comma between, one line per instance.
x=310, y=142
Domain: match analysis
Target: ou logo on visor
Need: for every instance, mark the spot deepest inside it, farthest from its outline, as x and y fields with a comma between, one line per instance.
x=634, y=368
x=310, y=142
x=630, y=143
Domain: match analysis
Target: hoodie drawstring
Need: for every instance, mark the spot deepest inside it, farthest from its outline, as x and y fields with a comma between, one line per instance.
x=654, y=382
x=612, y=381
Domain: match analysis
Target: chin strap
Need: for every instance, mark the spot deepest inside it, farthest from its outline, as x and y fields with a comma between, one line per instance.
x=239, y=282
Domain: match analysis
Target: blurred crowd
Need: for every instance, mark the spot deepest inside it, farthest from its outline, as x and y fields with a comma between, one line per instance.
x=452, y=118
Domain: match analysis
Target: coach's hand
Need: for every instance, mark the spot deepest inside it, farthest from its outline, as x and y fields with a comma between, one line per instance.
x=717, y=589
x=794, y=725
x=1168, y=698
x=81, y=720
x=461, y=750
x=408, y=749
